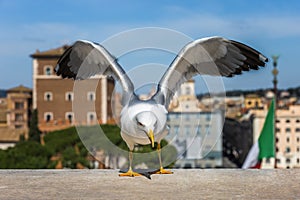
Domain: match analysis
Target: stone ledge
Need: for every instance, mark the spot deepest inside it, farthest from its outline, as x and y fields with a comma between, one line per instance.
x=183, y=184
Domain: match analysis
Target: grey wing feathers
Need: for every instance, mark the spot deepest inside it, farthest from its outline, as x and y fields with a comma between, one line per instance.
x=214, y=56
x=85, y=59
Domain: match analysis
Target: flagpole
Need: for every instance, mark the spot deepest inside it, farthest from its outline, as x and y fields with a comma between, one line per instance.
x=275, y=81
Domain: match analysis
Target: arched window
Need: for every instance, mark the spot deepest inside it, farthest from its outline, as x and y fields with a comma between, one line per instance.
x=91, y=96
x=91, y=118
x=70, y=117
x=48, y=70
x=48, y=116
x=48, y=96
x=69, y=96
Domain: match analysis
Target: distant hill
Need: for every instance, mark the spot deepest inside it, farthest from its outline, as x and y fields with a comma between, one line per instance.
x=2, y=93
x=260, y=92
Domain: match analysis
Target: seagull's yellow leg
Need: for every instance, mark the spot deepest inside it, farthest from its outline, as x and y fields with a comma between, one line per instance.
x=130, y=172
x=161, y=169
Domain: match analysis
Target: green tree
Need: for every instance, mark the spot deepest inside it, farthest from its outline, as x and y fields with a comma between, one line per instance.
x=34, y=131
x=25, y=155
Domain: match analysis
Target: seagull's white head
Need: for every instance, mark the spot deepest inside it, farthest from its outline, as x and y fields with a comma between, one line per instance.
x=146, y=122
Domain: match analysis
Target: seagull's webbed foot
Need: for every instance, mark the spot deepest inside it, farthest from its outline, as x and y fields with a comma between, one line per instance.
x=130, y=173
x=163, y=171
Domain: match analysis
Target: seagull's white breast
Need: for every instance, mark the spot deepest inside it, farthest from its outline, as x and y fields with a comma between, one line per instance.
x=128, y=122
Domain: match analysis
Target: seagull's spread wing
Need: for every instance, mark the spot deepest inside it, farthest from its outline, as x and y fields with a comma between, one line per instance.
x=85, y=59
x=214, y=56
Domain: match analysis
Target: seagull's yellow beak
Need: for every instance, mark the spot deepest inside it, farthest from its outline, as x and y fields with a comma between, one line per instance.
x=151, y=137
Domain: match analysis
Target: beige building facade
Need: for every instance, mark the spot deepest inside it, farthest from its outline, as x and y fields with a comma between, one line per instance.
x=185, y=99
x=14, y=115
x=287, y=134
x=55, y=98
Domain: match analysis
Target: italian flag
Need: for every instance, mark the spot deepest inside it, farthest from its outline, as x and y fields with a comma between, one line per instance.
x=265, y=146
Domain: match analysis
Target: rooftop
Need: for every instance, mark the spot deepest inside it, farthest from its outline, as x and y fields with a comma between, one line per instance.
x=19, y=89
x=57, y=52
x=183, y=184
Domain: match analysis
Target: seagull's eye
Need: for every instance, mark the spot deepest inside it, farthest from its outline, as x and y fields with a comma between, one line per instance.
x=140, y=124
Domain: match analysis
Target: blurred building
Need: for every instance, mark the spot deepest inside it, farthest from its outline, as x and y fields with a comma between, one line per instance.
x=287, y=135
x=237, y=141
x=253, y=101
x=185, y=99
x=195, y=134
x=15, y=109
x=55, y=98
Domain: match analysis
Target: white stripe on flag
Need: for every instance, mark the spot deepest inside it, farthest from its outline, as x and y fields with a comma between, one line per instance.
x=252, y=157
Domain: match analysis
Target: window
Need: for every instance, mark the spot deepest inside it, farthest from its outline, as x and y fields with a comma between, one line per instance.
x=187, y=130
x=298, y=160
x=288, y=161
x=187, y=117
x=69, y=96
x=48, y=96
x=297, y=130
x=19, y=105
x=287, y=149
x=287, y=121
x=91, y=118
x=48, y=70
x=199, y=131
x=298, y=149
x=69, y=117
x=188, y=90
x=48, y=116
x=277, y=130
x=287, y=139
x=298, y=121
x=278, y=160
x=208, y=129
x=91, y=96
x=19, y=117
x=277, y=121
x=176, y=129
x=208, y=117
x=288, y=130
x=298, y=139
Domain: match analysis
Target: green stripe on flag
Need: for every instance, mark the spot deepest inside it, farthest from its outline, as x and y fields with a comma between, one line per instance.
x=266, y=138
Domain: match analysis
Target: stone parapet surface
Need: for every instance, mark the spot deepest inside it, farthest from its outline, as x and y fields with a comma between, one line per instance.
x=183, y=184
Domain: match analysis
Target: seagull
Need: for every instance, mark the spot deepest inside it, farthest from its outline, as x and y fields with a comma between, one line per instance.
x=144, y=121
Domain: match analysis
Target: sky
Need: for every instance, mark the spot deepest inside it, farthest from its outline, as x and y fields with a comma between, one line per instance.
x=272, y=27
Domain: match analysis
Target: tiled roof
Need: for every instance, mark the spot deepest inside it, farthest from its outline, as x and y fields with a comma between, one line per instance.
x=20, y=89
x=57, y=52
